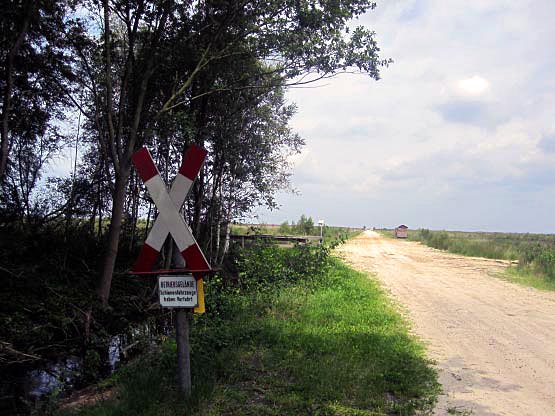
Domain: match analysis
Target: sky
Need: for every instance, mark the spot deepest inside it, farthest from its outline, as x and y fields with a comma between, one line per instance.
x=458, y=134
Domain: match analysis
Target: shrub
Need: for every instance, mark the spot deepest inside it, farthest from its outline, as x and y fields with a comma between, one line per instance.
x=546, y=263
x=439, y=240
x=262, y=264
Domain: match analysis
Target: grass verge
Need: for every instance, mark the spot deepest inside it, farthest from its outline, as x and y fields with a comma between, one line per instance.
x=526, y=277
x=535, y=252
x=327, y=346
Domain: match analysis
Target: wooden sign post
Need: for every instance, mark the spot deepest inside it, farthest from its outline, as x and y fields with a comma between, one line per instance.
x=183, y=351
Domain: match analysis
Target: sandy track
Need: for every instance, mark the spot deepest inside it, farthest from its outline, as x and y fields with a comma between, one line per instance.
x=494, y=341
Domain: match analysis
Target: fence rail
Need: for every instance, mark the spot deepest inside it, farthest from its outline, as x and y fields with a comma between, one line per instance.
x=305, y=239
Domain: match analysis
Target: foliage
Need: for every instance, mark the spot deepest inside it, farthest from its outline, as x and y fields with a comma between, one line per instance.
x=36, y=77
x=528, y=276
x=263, y=264
x=327, y=343
x=305, y=225
x=168, y=74
x=438, y=240
x=540, y=257
x=47, y=290
x=535, y=252
x=163, y=74
x=285, y=228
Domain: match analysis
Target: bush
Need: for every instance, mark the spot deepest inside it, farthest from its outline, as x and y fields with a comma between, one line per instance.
x=264, y=264
x=439, y=240
x=546, y=263
x=305, y=225
x=284, y=228
x=540, y=258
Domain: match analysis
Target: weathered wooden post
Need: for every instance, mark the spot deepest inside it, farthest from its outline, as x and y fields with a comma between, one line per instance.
x=183, y=351
x=182, y=338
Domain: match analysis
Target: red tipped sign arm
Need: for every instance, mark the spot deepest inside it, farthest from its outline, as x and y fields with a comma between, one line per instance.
x=169, y=219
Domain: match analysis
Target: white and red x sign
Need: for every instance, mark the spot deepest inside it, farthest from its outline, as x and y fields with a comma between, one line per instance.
x=169, y=219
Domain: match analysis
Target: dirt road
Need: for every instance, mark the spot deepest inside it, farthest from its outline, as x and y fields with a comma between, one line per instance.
x=494, y=341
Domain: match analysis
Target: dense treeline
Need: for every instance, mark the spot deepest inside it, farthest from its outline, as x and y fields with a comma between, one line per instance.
x=103, y=78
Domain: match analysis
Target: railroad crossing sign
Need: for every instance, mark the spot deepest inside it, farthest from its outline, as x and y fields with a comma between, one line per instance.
x=175, y=291
x=169, y=219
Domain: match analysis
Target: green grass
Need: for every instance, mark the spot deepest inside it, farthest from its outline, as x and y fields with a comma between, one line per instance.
x=528, y=277
x=327, y=346
x=474, y=244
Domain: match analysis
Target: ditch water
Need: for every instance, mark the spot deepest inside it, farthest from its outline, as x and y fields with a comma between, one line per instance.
x=27, y=388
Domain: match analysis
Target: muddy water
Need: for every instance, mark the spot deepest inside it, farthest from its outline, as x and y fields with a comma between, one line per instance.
x=25, y=388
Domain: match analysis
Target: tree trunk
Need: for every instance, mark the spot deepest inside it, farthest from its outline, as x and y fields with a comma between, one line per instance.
x=228, y=224
x=227, y=241
x=134, y=213
x=6, y=104
x=148, y=219
x=114, y=231
x=122, y=164
x=99, y=236
x=122, y=179
x=218, y=232
x=92, y=218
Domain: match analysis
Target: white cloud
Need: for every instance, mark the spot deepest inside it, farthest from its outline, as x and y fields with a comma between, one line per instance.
x=474, y=86
x=460, y=128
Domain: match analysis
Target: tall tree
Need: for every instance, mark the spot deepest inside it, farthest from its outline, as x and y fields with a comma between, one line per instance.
x=35, y=70
x=166, y=61
x=117, y=69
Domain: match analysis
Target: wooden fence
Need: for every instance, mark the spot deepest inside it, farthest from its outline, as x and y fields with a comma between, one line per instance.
x=275, y=239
